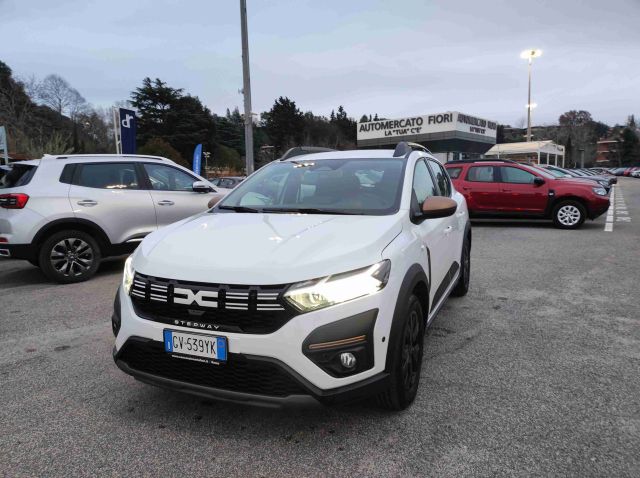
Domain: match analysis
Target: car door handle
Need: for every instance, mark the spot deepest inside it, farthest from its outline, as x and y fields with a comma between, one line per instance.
x=166, y=203
x=507, y=190
x=87, y=202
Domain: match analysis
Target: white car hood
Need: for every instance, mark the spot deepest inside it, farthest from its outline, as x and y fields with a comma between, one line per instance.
x=264, y=249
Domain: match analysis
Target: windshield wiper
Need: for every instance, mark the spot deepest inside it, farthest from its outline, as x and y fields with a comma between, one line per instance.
x=307, y=210
x=240, y=208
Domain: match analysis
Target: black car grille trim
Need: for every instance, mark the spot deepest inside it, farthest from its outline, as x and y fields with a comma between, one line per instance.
x=239, y=374
x=234, y=308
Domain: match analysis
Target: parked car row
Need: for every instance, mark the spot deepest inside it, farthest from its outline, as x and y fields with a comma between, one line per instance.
x=604, y=181
x=627, y=171
x=347, y=258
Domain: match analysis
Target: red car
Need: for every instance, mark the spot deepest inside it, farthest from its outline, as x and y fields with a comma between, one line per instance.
x=503, y=188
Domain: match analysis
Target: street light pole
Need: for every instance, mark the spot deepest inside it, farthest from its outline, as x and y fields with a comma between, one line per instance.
x=530, y=55
x=246, y=89
x=529, y=104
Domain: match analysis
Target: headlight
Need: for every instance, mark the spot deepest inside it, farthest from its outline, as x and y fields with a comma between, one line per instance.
x=600, y=191
x=127, y=277
x=319, y=293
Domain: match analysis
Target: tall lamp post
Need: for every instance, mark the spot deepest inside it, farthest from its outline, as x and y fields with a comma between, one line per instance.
x=246, y=89
x=530, y=55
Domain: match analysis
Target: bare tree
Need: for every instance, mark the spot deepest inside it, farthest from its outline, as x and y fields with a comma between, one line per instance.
x=58, y=95
x=32, y=86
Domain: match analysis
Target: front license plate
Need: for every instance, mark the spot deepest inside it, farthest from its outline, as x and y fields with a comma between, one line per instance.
x=208, y=348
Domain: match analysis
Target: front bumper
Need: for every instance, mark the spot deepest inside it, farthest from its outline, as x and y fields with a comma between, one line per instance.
x=598, y=207
x=282, y=350
x=304, y=392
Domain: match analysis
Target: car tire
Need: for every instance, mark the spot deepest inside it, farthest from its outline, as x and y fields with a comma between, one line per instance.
x=462, y=287
x=406, y=359
x=569, y=214
x=69, y=256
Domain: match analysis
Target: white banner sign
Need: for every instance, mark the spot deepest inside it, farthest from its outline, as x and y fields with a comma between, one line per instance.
x=4, y=149
x=420, y=125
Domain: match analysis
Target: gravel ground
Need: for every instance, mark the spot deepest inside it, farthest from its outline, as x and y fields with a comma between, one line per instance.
x=535, y=372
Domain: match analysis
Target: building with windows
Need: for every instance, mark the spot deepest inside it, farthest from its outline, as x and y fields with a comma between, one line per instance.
x=449, y=136
x=608, y=152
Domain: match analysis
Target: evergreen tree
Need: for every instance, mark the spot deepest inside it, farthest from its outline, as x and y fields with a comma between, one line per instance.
x=284, y=124
x=181, y=120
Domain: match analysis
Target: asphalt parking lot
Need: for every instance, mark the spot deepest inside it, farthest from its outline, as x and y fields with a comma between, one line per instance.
x=535, y=372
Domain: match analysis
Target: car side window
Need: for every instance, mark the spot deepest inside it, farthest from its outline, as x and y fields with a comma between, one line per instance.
x=454, y=173
x=423, y=184
x=510, y=174
x=167, y=178
x=442, y=178
x=481, y=174
x=108, y=176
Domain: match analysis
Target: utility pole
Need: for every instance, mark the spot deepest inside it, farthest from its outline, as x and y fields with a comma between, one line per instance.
x=246, y=89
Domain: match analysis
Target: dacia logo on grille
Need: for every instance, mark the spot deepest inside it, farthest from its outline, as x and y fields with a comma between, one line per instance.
x=201, y=297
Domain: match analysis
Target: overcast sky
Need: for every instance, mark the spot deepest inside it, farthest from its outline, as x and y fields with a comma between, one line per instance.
x=391, y=57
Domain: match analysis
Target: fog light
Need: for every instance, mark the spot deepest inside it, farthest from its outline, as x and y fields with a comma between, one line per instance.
x=348, y=360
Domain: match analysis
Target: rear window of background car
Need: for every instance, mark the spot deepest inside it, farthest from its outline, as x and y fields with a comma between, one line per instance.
x=454, y=172
x=481, y=174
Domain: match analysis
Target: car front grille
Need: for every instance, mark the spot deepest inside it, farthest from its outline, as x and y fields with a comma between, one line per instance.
x=217, y=307
x=238, y=374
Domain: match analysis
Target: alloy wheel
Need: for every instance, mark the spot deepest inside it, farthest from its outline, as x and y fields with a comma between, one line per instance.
x=569, y=215
x=411, y=350
x=71, y=257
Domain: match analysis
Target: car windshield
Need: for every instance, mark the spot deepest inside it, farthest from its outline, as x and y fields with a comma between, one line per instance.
x=540, y=171
x=326, y=186
x=556, y=173
x=566, y=171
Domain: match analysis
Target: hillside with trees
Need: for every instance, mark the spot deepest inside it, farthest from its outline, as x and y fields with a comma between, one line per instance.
x=51, y=116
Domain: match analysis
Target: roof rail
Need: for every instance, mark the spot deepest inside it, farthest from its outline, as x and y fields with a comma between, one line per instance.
x=404, y=148
x=300, y=150
x=481, y=160
x=102, y=156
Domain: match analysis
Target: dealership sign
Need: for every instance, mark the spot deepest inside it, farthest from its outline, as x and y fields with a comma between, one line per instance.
x=428, y=124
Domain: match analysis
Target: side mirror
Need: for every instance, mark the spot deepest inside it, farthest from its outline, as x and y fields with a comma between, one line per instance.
x=201, y=187
x=538, y=181
x=214, y=200
x=438, y=206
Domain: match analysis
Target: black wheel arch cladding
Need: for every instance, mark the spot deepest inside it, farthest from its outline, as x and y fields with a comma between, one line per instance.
x=414, y=276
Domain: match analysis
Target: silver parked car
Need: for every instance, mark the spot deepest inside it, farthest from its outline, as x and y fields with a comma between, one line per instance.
x=65, y=213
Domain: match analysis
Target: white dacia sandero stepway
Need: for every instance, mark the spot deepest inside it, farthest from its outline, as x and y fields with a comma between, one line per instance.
x=315, y=278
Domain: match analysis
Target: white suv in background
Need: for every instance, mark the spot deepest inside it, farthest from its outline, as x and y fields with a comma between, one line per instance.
x=65, y=213
x=315, y=277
